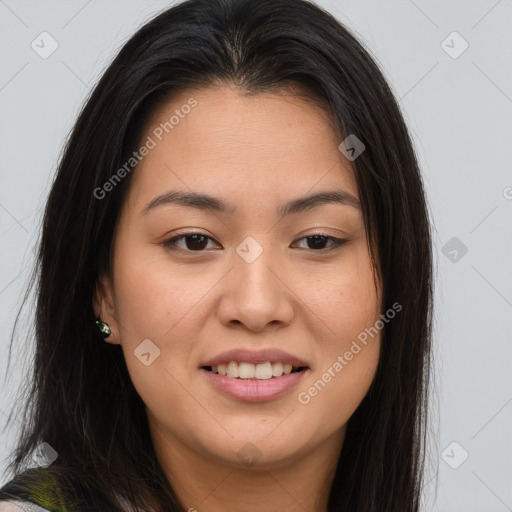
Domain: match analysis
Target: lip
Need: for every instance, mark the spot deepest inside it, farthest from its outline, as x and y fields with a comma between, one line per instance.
x=244, y=355
x=255, y=390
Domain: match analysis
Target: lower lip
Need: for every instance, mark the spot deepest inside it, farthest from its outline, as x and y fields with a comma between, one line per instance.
x=255, y=390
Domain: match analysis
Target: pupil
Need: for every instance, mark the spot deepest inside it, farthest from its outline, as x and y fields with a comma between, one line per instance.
x=194, y=238
x=316, y=239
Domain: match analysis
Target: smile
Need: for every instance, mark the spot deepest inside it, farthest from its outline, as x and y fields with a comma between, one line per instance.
x=262, y=371
x=259, y=387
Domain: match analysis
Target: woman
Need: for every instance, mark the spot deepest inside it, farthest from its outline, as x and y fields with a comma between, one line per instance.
x=234, y=279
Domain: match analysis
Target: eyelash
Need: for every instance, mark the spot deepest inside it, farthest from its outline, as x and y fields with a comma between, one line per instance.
x=171, y=242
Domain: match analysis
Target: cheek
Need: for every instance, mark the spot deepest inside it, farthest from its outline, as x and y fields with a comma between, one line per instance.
x=154, y=297
x=337, y=390
x=348, y=344
x=153, y=304
x=164, y=303
x=343, y=300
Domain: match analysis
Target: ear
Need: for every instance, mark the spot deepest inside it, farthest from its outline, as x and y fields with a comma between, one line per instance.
x=104, y=307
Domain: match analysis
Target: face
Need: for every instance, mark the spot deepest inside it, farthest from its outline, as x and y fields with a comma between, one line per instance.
x=192, y=285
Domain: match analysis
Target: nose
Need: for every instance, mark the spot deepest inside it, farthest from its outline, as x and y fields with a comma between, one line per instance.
x=256, y=293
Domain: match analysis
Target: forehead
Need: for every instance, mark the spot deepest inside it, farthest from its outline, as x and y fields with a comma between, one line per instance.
x=268, y=144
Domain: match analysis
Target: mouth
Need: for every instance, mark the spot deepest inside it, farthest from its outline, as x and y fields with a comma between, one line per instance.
x=248, y=371
x=246, y=382
x=250, y=375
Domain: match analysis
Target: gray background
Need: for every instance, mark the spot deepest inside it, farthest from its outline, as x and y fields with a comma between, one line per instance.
x=458, y=111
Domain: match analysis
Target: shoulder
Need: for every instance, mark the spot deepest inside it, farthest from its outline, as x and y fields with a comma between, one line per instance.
x=54, y=489
x=34, y=490
x=20, y=506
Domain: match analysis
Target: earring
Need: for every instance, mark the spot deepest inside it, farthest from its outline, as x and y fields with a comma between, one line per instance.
x=105, y=331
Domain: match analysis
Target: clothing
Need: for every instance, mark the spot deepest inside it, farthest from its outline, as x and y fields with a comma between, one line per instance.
x=32, y=491
x=40, y=490
x=20, y=506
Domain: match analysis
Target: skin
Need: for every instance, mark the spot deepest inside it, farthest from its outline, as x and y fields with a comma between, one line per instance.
x=194, y=305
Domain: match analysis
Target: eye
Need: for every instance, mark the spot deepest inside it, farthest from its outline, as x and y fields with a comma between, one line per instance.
x=196, y=242
x=319, y=239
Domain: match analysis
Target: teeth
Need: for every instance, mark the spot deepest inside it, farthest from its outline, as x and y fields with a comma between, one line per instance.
x=246, y=370
x=262, y=371
x=277, y=369
x=233, y=369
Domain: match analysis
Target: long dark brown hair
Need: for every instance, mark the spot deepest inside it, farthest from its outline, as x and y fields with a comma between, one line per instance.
x=80, y=399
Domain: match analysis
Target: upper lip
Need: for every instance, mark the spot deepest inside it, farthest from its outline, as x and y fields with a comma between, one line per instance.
x=246, y=355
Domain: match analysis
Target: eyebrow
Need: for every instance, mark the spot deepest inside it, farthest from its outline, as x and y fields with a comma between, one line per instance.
x=214, y=204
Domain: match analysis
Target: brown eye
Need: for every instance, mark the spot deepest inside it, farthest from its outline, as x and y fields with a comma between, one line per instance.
x=194, y=242
x=317, y=242
x=197, y=242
